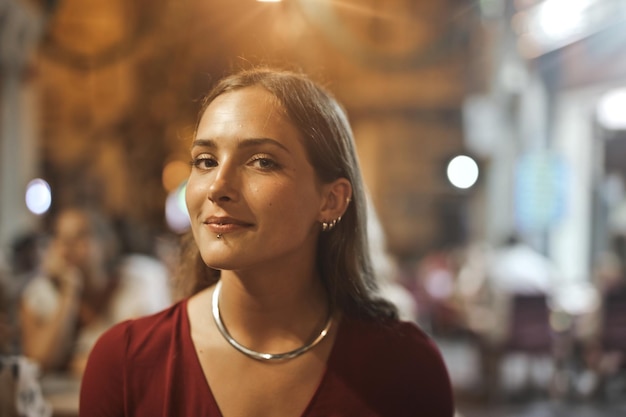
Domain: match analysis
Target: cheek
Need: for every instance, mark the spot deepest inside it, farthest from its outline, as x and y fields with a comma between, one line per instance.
x=291, y=202
x=194, y=193
x=264, y=193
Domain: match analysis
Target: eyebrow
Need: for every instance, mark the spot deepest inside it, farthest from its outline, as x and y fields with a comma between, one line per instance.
x=245, y=143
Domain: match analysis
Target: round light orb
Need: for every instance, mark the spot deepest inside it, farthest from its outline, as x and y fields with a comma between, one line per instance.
x=176, y=214
x=174, y=173
x=462, y=171
x=610, y=110
x=38, y=196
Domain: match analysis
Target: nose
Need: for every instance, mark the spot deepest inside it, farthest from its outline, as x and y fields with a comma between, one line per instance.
x=223, y=186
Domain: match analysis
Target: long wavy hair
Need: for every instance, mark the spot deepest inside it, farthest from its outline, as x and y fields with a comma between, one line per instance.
x=343, y=256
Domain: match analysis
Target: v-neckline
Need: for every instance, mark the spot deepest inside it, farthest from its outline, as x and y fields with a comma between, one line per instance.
x=199, y=372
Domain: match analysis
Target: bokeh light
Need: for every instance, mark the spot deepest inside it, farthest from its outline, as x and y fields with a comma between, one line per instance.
x=38, y=196
x=610, y=110
x=176, y=214
x=462, y=171
x=559, y=19
x=174, y=173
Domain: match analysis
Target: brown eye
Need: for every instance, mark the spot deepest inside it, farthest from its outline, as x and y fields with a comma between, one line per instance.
x=204, y=162
x=264, y=163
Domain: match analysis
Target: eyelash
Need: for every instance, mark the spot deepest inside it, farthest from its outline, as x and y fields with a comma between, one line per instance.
x=199, y=160
x=272, y=164
x=195, y=162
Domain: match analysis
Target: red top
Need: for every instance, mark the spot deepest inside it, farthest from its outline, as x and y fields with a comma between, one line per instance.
x=149, y=367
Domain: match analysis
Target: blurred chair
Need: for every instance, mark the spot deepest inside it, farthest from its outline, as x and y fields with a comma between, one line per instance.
x=614, y=321
x=613, y=345
x=530, y=334
x=530, y=331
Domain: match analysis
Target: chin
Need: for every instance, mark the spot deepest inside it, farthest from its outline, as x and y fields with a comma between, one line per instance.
x=219, y=262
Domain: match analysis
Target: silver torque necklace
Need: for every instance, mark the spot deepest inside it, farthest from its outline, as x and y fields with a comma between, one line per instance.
x=261, y=356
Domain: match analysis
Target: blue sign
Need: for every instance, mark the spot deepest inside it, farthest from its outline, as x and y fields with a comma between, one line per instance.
x=541, y=180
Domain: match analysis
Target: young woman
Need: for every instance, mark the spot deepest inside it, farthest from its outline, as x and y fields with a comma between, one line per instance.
x=283, y=320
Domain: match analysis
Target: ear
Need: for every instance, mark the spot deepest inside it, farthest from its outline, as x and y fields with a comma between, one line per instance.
x=336, y=198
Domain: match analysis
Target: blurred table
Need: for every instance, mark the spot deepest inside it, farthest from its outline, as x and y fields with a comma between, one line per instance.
x=61, y=392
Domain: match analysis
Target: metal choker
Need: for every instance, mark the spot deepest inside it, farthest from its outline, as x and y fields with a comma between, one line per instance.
x=261, y=356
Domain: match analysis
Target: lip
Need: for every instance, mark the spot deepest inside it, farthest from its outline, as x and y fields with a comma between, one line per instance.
x=225, y=224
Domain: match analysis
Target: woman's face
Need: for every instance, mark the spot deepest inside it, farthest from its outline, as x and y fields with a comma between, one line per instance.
x=252, y=185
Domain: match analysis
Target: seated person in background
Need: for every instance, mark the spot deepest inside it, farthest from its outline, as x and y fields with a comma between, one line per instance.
x=22, y=263
x=493, y=284
x=515, y=268
x=83, y=288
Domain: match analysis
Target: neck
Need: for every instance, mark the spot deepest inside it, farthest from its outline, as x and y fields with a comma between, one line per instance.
x=273, y=313
x=266, y=356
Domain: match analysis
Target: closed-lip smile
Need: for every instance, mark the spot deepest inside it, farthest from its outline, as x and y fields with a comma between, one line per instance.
x=225, y=224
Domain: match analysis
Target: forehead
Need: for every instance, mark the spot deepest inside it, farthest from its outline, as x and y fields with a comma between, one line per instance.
x=249, y=110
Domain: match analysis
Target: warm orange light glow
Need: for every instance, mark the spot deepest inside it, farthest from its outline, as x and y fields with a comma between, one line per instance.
x=174, y=173
x=269, y=1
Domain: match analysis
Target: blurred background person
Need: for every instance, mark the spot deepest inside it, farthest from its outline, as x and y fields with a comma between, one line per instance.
x=491, y=278
x=432, y=281
x=507, y=293
x=84, y=286
x=22, y=264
